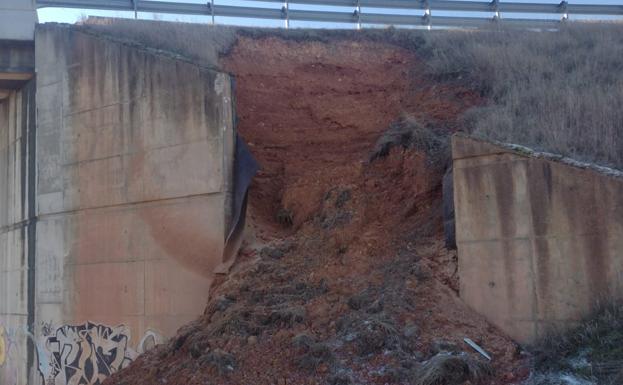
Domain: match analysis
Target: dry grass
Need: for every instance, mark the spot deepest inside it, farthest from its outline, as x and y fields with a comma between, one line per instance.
x=200, y=43
x=593, y=350
x=560, y=91
x=408, y=133
x=448, y=369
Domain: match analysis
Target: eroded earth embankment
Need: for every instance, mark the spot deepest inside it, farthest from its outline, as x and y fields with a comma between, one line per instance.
x=343, y=277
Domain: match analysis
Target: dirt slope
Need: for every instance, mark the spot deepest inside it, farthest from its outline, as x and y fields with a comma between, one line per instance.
x=344, y=277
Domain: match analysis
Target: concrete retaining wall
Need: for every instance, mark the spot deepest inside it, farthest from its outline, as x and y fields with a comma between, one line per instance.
x=540, y=241
x=134, y=169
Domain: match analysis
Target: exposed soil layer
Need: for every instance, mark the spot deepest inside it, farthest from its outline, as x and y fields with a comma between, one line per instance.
x=344, y=277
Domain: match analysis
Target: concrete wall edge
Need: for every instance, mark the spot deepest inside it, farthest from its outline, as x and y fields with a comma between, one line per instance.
x=528, y=152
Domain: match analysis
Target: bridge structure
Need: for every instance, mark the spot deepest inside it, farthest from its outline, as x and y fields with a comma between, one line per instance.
x=105, y=235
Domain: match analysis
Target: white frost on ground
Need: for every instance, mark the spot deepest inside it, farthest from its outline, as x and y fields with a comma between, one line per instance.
x=557, y=379
x=571, y=380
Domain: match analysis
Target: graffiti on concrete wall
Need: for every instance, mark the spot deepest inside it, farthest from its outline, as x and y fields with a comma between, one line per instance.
x=12, y=354
x=2, y=347
x=149, y=341
x=71, y=354
x=86, y=354
x=9, y=371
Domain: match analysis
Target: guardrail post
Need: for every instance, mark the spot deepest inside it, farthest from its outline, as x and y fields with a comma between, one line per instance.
x=427, y=14
x=284, y=14
x=211, y=6
x=562, y=8
x=135, y=6
x=494, y=4
x=358, y=13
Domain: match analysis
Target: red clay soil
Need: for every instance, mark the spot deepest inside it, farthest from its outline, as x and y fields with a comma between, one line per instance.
x=344, y=277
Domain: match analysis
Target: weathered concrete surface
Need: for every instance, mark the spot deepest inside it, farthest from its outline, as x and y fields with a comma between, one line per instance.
x=135, y=162
x=17, y=19
x=201, y=43
x=540, y=241
x=16, y=119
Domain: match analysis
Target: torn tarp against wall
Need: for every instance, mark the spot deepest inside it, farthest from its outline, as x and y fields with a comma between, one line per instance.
x=245, y=168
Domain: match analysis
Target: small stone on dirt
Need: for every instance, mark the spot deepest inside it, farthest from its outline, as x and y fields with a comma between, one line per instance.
x=223, y=303
x=411, y=331
x=271, y=252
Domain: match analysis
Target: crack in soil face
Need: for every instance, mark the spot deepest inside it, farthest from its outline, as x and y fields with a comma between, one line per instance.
x=354, y=285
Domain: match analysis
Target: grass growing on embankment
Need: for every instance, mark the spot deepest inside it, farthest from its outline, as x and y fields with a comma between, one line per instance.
x=592, y=353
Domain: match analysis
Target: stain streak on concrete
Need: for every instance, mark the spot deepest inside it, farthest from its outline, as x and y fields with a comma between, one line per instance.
x=548, y=237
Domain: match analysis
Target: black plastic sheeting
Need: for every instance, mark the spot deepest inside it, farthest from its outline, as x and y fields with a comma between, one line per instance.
x=245, y=168
x=448, y=210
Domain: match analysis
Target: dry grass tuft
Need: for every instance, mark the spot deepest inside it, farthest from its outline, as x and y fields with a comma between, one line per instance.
x=448, y=369
x=593, y=350
x=409, y=133
x=560, y=92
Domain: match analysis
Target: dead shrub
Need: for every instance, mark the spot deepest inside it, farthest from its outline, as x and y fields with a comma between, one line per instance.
x=241, y=323
x=313, y=354
x=220, y=360
x=408, y=133
x=285, y=317
x=592, y=350
x=285, y=217
x=448, y=369
x=361, y=299
x=370, y=333
x=302, y=341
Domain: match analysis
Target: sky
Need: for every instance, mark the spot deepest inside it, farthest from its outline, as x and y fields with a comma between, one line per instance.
x=72, y=15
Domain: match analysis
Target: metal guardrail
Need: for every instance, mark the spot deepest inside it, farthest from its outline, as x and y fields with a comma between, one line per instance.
x=395, y=17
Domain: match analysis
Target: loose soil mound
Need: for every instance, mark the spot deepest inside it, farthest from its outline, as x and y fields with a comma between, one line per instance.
x=344, y=277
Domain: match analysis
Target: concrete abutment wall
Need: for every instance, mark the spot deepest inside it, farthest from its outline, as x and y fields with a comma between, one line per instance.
x=131, y=186
x=540, y=241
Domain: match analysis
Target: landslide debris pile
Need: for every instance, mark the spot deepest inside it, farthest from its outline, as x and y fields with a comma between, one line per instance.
x=343, y=277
